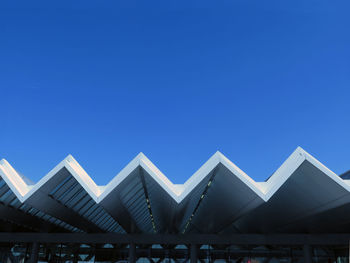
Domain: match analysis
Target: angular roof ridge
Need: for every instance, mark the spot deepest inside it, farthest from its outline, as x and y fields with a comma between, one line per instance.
x=265, y=190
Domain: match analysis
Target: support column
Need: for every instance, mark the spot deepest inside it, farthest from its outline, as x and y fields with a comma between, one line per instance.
x=132, y=253
x=307, y=253
x=76, y=257
x=194, y=253
x=34, y=254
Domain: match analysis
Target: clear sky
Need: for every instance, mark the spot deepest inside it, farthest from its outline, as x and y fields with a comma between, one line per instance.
x=176, y=80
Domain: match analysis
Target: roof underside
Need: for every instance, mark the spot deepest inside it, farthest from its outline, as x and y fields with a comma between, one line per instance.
x=302, y=196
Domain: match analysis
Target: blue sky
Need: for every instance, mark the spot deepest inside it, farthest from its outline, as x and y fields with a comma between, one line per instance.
x=177, y=80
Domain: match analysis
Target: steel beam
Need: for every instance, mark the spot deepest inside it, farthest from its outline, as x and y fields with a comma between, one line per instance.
x=238, y=239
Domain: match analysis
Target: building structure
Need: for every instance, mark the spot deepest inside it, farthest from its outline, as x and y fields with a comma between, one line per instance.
x=299, y=214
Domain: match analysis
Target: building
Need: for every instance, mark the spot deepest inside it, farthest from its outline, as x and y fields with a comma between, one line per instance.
x=300, y=214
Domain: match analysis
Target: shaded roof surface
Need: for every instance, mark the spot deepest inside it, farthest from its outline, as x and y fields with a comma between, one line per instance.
x=302, y=196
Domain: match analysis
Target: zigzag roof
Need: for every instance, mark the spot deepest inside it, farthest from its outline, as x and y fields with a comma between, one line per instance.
x=186, y=202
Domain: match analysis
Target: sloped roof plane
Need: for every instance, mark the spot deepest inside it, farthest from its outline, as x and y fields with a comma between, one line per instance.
x=161, y=206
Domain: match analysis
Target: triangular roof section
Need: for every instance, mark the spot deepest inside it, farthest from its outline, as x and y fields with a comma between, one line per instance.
x=265, y=190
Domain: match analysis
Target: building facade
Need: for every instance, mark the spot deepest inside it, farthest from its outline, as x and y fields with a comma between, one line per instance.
x=299, y=214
